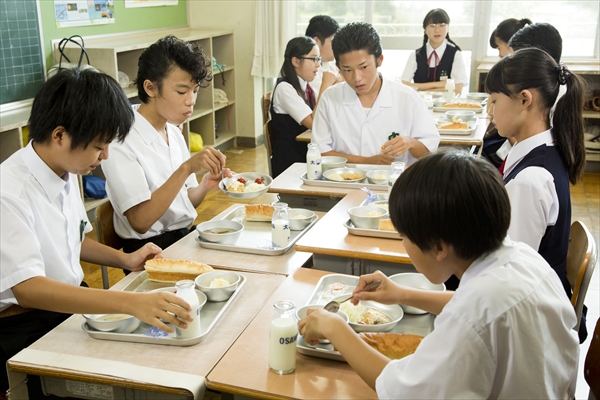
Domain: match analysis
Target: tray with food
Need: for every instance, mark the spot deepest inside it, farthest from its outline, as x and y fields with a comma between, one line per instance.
x=365, y=220
x=345, y=184
x=247, y=229
x=456, y=125
x=247, y=185
x=397, y=341
x=459, y=105
x=216, y=290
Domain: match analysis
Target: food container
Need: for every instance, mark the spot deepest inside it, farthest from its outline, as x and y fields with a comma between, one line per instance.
x=248, y=177
x=378, y=176
x=358, y=216
x=477, y=96
x=337, y=174
x=460, y=114
x=120, y=323
x=330, y=162
x=209, y=231
x=301, y=312
x=394, y=311
x=381, y=204
x=300, y=218
x=416, y=281
x=218, y=293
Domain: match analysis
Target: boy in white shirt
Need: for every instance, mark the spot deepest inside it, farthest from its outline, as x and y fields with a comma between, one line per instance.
x=322, y=28
x=507, y=331
x=369, y=119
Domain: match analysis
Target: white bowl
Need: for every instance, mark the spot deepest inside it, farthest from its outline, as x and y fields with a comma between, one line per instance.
x=249, y=177
x=394, y=311
x=459, y=113
x=417, y=281
x=381, y=204
x=358, y=216
x=302, y=219
x=477, y=96
x=218, y=293
x=301, y=312
x=378, y=176
x=330, y=162
x=172, y=289
x=222, y=238
x=120, y=323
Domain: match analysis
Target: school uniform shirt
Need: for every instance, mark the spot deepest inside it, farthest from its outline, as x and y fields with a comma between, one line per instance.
x=342, y=124
x=287, y=101
x=326, y=66
x=43, y=224
x=458, y=71
x=506, y=333
x=138, y=167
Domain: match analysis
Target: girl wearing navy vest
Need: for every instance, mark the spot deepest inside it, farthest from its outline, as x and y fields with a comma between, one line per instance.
x=294, y=102
x=547, y=154
x=438, y=59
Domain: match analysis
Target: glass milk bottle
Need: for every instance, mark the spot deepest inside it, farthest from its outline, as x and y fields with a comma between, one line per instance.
x=186, y=290
x=313, y=162
x=282, y=338
x=397, y=170
x=280, y=225
x=449, y=90
x=428, y=99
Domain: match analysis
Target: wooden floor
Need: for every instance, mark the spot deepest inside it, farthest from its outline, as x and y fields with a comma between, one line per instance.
x=585, y=198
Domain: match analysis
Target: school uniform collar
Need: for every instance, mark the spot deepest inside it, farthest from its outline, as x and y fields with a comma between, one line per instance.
x=383, y=100
x=499, y=257
x=48, y=180
x=145, y=129
x=440, y=50
x=303, y=83
x=521, y=149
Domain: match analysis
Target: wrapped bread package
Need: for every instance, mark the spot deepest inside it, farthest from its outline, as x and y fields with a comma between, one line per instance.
x=259, y=212
x=392, y=345
x=163, y=270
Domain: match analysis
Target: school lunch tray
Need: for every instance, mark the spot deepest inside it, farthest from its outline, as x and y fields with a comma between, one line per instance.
x=444, y=109
x=256, y=236
x=459, y=132
x=353, y=230
x=210, y=314
x=421, y=324
x=349, y=185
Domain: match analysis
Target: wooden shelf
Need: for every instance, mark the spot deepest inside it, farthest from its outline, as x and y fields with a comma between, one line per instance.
x=591, y=114
x=131, y=91
x=223, y=138
x=220, y=106
x=201, y=112
x=218, y=71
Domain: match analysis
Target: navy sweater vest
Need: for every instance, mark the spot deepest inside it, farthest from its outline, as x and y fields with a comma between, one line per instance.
x=444, y=65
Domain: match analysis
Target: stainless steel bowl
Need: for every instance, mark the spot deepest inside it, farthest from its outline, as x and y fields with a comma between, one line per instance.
x=378, y=176
x=222, y=238
x=334, y=174
x=416, y=281
x=249, y=177
x=358, y=216
x=331, y=162
x=121, y=323
x=218, y=293
x=300, y=218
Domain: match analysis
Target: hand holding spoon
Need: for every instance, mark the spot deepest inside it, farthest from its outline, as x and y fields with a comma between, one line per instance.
x=333, y=306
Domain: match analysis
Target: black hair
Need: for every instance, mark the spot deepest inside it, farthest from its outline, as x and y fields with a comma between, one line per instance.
x=88, y=104
x=541, y=35
x=297, y=47
x=435, y=16
x=506, y=29
x=455, y=198
x=168, y=53
x=356, y=36
x=322, y=27
x=534, y=69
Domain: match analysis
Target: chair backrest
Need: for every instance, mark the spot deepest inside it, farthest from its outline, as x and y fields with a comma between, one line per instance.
x=591, y=367
x=266, y=106
x=105, y=226
x=582, y=257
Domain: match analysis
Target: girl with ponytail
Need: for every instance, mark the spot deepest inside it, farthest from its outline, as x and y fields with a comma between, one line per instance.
x=438, y=59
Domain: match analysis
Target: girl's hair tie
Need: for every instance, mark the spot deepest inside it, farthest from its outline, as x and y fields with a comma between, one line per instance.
x=563, y=73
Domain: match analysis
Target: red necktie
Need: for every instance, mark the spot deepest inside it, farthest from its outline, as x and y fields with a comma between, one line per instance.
x=310, y=96
x=437, y=62
x=501, y=167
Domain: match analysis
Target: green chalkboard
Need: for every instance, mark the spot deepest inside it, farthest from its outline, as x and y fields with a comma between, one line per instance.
x=21, y=64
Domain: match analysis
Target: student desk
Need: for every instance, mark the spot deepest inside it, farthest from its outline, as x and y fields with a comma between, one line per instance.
x=334, y=249
x=188, y=248
x=244, y=369
x=68, y=358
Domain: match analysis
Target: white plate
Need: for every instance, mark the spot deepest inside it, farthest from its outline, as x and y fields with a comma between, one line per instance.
x=394, y=311
x=249, y=177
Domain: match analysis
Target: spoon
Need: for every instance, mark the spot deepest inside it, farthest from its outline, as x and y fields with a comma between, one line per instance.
x=333, y=306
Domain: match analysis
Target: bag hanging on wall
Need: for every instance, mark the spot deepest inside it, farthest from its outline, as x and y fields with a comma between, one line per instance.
x=67, y=62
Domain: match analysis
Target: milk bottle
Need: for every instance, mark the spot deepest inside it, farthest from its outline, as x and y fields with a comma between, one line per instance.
x=282, y=338
x=280, y=225
x=397, y=170
x=313, y=162
x=449, y=89
x=186, y=290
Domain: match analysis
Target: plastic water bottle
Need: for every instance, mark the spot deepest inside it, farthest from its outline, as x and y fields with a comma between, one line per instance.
x=283, y=338
x=313, y=162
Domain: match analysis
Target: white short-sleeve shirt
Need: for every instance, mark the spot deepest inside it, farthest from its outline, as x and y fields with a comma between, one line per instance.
x=459, y=70
x=342, y=125
x=287, y=101
x=138, y=167
x=43, y=224
x=507, y=333
x=326, y=66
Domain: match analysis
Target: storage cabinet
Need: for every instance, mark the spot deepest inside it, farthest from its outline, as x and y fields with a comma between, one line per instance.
x=214, y=121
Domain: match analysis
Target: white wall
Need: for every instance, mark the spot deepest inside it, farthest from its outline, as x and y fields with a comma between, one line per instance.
x=238, y=16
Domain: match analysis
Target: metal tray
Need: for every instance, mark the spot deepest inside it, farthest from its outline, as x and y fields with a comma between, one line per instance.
x=254, y=236
x=342, y=184
x=353, y=230
x=413, y=324
x=472, y=124
x=444, y=109
x=209, y=315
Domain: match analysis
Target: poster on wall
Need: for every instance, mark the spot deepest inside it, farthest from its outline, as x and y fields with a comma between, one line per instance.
x=83, y=12
x=149, y=3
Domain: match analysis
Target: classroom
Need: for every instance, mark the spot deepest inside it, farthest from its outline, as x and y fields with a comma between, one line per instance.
x=335, y=199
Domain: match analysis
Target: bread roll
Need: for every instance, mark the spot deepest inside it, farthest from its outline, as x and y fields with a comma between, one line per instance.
x=163, y=270
x=455, y=126
x=259, y=212
x=462, y=105
x=392, y=345
x=386, y=225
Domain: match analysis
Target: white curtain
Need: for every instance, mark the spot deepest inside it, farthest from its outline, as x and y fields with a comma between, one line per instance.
x=275, y=26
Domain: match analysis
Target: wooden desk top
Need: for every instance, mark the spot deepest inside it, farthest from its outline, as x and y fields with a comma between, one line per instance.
x=244, y=368
x=67, y=351
x=189, y=249
x=329, y=237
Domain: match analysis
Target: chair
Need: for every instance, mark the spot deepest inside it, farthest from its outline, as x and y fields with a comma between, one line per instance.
x=591, y=367
x=105, y=230
x=266, y=105
x=582, y=257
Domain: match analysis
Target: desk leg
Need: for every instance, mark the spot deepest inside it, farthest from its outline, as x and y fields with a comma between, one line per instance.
x=17, y=383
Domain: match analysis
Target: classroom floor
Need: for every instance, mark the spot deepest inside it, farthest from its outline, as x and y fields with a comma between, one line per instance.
x=585, y=198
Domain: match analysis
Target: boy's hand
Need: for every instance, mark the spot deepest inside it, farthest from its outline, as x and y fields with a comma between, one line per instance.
x=386, y=292
x=329, y=79
x=317, y=324
x=212, y=181
x=152, y=307
x=397, y=146
x=211, y=159
x=380, y=159
x=135, y=261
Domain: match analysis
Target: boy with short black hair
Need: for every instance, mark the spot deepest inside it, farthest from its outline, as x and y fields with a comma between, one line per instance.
x=507, y=332
x=541, y=35
x=368, y=119
x=322, y=28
